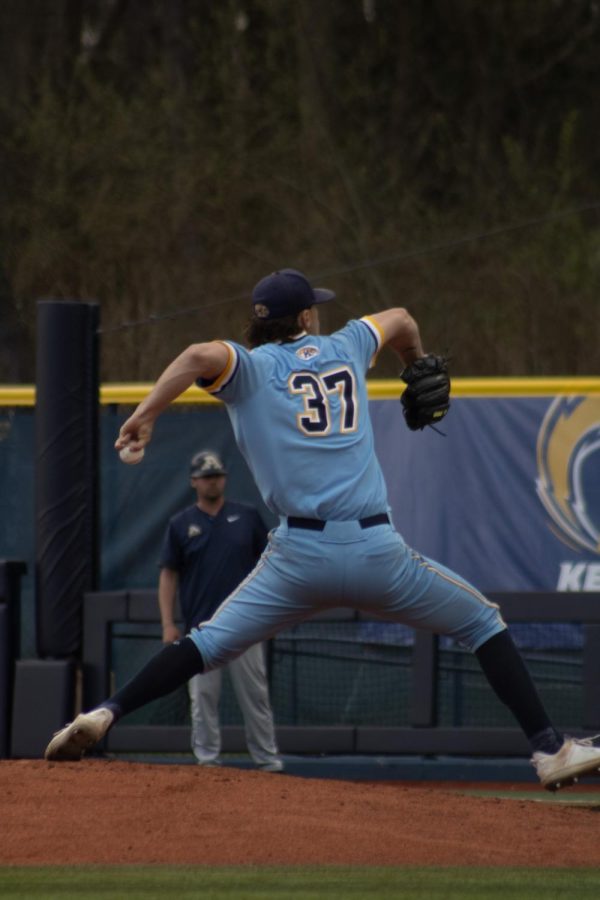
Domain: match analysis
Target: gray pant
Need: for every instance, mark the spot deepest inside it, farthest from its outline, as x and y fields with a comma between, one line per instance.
x=249, y=678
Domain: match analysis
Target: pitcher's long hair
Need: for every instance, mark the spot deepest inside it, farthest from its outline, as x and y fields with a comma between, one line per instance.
x=271, y=331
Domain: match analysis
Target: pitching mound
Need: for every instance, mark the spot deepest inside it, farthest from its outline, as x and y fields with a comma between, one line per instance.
x=119, y=813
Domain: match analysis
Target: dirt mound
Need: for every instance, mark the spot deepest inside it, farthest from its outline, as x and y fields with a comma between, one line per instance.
x=103, y=812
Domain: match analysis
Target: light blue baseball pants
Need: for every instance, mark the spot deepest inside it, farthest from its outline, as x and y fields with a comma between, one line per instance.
x=304, y=572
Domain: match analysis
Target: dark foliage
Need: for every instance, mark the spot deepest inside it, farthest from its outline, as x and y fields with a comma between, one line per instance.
x=161, y=157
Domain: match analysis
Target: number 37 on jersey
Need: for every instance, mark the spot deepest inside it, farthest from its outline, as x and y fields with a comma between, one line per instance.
x=318, y=417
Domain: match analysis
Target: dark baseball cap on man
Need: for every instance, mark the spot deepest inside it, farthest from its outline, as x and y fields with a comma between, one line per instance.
x=285, y=292
x=206, y=463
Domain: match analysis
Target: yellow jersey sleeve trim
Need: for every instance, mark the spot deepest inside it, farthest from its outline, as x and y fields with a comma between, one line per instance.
x=378, y=335
x=227, y=373
x=377, y=330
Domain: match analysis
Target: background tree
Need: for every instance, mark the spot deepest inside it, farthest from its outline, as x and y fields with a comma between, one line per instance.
x=159, y=157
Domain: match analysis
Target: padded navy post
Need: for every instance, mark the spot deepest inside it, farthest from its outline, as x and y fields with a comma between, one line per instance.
x=10, y=632
x=66, y=437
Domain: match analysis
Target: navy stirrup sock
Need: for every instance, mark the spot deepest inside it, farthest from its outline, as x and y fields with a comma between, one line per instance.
x=507, y=674
x=172, y=666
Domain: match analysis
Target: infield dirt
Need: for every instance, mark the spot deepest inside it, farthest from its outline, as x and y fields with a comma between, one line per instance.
x=108, y=812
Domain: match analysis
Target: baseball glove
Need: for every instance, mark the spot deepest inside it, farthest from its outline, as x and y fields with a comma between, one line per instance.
x=426, y=399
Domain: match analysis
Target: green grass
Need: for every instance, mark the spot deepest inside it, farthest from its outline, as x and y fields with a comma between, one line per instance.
x=332, y=882
x=589, y=800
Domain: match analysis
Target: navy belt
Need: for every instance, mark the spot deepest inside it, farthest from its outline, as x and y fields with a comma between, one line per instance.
x=319, y=524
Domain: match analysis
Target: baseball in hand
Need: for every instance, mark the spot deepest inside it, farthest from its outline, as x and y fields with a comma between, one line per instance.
x=131, y=457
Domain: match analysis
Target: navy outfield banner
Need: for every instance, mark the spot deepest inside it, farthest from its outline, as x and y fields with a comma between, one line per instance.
x=510, y=497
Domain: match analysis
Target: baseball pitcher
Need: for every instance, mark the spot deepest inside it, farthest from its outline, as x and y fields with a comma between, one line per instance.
x=298, y=405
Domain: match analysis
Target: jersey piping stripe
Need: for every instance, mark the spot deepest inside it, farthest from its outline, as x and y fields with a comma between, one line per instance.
x=461, y=584
x=375, y=330
x=228, y=372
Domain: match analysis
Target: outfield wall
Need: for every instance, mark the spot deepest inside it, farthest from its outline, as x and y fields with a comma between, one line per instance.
x=509, y=497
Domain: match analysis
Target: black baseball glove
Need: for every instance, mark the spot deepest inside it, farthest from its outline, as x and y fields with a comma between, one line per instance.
x=426, y=399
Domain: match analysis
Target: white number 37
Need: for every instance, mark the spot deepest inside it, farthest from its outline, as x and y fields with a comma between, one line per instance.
x=316, y=417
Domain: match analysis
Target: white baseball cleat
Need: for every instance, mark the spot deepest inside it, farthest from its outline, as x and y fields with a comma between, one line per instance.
x=73, y=740
x=575, y=758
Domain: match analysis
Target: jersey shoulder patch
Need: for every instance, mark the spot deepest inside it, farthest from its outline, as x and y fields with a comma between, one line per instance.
x=309, y=351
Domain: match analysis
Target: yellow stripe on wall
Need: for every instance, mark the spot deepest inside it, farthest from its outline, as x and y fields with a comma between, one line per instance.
x=130, y=393
x=498, y=387
x=17, y=395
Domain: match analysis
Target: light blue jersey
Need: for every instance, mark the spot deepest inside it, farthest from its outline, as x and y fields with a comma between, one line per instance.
x=300, y=415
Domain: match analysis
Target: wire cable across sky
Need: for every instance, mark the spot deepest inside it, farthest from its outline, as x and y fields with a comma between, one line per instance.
x=367, y=264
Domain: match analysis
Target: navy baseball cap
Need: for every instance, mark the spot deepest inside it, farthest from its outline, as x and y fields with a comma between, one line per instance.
x=285, y=292
x=206, y=463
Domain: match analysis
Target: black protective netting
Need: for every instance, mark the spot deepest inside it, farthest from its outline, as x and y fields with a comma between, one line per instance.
x=360, y=673
x=342, y=673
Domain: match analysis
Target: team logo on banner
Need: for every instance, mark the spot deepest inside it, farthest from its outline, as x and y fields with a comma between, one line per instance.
x=568, y=461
